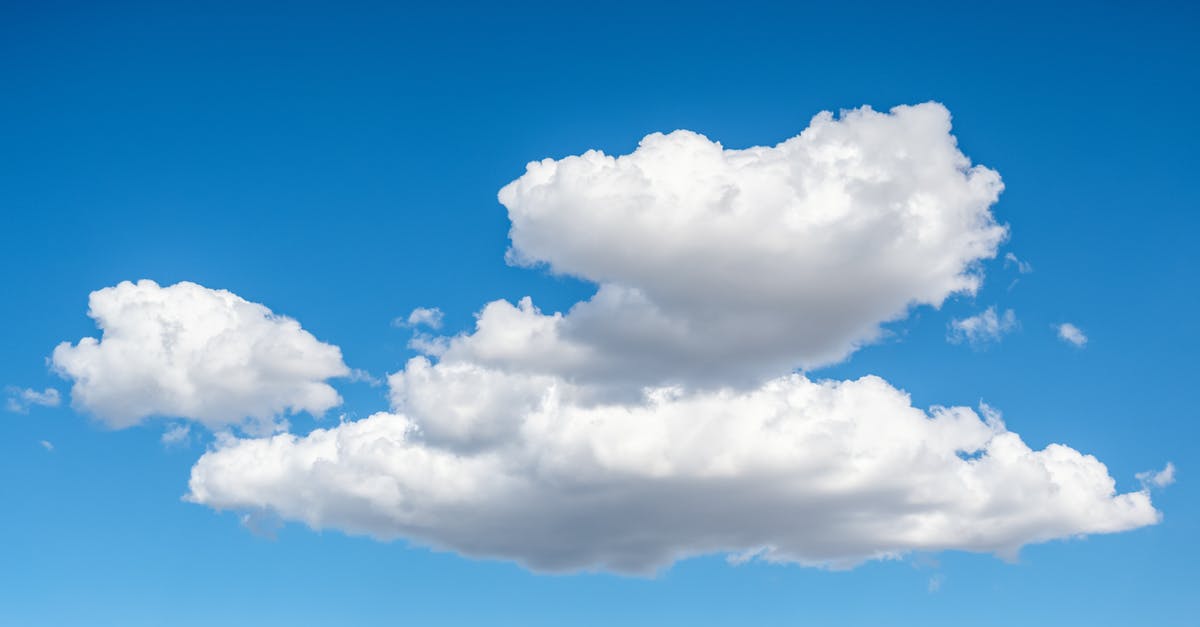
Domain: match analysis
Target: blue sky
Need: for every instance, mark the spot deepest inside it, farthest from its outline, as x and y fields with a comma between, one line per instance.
x=340, y=165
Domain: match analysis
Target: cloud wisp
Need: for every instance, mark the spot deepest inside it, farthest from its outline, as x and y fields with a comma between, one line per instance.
x=19, y=400
x=176, y=435
x=1072, y=335
x=1022, y=266
x=982, y=328
x=1158, y=479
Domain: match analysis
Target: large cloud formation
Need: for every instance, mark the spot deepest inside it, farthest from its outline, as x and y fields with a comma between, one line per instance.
x=192, y=352
x=492, y=464
x=720, y=266
x=651, y=422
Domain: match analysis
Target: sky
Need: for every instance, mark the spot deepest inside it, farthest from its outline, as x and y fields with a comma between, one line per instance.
x=643, y=314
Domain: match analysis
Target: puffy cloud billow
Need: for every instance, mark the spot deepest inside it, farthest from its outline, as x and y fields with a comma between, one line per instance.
x=663, y=417
x=492, y=464
x=187, y=351
x=719, y=266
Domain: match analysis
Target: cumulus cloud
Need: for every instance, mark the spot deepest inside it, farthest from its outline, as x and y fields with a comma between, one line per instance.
x=983, y=327
x=526, y=468
x=1072, y=335
x=718, y=266
x=662, y=418
x=187, y=351
x=20, y=400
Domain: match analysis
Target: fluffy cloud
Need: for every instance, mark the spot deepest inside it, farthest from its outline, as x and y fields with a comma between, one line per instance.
x=983, y=327
x=651, y=423
x=492, y=464
x=1072, y=335
x=187, y=351
x=20, y=400
x=421, y=316
x=719, y=266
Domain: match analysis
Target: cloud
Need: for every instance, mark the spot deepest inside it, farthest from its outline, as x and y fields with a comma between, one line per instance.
x=983, y=327
x=718, y=266
x=47, y=445
x=1023, y=267
x=526, y=468
x=187, y=351
x=1160, y=479
x=176, y=434
x=358, y=375
x=422, y=316
x=662, y=418
x=20, y=400
x=1072, y=334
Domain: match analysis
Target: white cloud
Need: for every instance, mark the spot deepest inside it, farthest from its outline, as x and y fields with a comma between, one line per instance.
x=1023, y=267
x=651, y=423
x=422, y=316
x=176, y=434
x=722, y=266
x=47, y=445
x=187, y=351
x=20, y=400
x=983, y=327
x=525, y=467
x=1159, y=479
x=1072, y=334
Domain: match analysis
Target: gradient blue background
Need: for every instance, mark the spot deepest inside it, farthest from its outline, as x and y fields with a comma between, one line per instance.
x=338, y=162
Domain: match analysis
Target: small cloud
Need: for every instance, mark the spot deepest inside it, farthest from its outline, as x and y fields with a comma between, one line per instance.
x=422, y=342
x=935, y=583
x=156, y=352
x=427, y=344
x=1160, y=479
x=176, y=434
x=983, y=327
x=1072, y=334
x=1023, y=267
x=20, y=400
x=359, y=374
x=430, y=317
x=47, y=445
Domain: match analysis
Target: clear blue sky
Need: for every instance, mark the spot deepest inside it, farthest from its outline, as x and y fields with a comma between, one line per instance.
x=339, y=163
